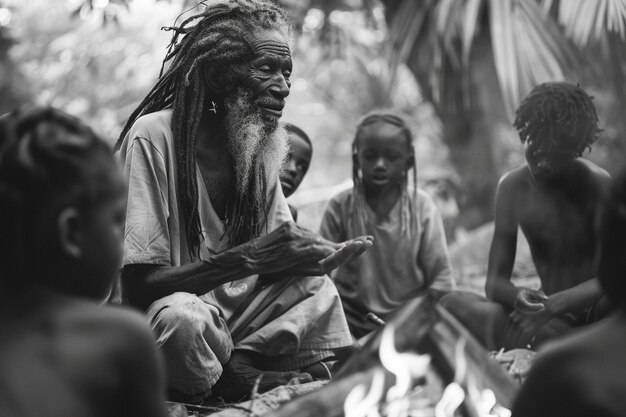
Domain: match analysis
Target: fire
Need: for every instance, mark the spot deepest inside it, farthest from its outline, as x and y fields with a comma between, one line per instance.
x=484, y=402
x=408, y=368
x=451, y=399
x=359, y=403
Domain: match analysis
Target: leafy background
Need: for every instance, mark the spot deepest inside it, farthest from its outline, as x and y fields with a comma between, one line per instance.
x=456, y=69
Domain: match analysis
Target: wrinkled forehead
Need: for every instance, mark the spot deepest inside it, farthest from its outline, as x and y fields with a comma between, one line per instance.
x=269, y=42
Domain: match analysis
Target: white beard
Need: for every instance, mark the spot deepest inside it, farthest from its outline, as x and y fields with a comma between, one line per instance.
x=258, y=153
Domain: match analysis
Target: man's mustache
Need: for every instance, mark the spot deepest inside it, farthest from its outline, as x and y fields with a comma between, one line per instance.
x=270, y=102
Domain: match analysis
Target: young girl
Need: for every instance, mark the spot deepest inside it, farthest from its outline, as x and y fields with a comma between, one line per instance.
x=62, y=200
x=410, y=255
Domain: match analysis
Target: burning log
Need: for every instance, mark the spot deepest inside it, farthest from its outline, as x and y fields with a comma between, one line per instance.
x=422, y=363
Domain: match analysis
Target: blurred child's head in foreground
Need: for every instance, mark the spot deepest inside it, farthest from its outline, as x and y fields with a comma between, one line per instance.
x=63, y=202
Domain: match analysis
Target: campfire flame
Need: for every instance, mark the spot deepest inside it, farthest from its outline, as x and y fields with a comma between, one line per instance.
x=408, y=368
x=358, y=403
x=451, y=399
x=484, y=402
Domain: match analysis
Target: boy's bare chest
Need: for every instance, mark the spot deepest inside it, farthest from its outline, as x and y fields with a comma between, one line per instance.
x=558, y=225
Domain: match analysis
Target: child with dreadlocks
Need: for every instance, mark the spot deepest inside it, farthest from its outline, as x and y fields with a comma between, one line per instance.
x=62, y=199
x=554, y=199
x=233, y=287
x=410, y=255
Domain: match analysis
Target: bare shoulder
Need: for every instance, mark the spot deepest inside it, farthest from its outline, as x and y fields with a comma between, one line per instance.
x=75, y=353
x=514, y=178
x=119, y=328
x=590, y=355
x=512, y=185
x=593, y=172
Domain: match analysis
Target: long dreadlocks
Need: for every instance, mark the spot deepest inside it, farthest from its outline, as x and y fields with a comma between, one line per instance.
x=560, y=103
x=409, y=221
x=200, y=64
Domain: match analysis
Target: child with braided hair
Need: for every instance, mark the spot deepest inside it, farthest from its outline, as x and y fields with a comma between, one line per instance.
x=62, y=199
x=554, y=199
x=410, y=256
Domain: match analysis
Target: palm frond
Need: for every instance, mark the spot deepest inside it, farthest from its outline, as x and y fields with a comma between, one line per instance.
x=583, y=18
x=503, y=31
x=469, y=27
x=405, y=28
x=528, y=48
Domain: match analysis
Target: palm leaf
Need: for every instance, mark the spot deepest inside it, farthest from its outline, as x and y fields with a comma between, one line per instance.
x=405, y=29
x=470, y=25
x=504, y=50
x=528, y=48
x=582, y=18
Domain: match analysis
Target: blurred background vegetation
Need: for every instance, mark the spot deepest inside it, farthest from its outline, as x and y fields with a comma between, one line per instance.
x=455, y=68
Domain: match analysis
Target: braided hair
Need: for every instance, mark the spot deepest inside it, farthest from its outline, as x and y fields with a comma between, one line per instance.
x=561, y=103
x=409, y=221
x=203, y=61
x=52, y=161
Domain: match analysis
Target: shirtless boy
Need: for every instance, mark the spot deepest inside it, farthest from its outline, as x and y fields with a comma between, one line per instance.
x=554, y=199
x=584, y=374
x=62, y=200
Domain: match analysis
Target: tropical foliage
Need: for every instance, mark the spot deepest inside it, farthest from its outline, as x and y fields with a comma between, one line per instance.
x=475, y=60
x=532, y=40
x=472, y=61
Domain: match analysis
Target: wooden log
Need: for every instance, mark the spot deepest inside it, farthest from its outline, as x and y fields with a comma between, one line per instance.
x=423, y=327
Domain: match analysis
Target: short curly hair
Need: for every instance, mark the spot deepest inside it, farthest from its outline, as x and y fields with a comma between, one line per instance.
x=558, y=103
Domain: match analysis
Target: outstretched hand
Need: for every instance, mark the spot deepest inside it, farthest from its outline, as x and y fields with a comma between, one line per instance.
x=292, y=250
x=343, y=252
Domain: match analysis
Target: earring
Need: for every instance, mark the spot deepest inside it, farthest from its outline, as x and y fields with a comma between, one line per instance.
x=213, y=108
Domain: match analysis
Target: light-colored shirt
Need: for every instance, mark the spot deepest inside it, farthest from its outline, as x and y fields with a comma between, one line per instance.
x=155, y=231
x=397, y=268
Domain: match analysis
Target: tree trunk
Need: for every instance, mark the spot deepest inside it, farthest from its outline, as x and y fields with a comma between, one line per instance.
x=13, y=93
x=479, y=135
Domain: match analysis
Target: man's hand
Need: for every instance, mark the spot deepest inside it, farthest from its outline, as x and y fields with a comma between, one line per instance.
x=292, y=250
x=342, y=253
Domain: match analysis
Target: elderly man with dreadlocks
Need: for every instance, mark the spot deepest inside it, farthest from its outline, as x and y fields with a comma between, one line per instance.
x=233, y=288
x=555, y=199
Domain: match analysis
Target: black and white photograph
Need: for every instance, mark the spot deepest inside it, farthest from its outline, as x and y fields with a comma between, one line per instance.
x=312, y=208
